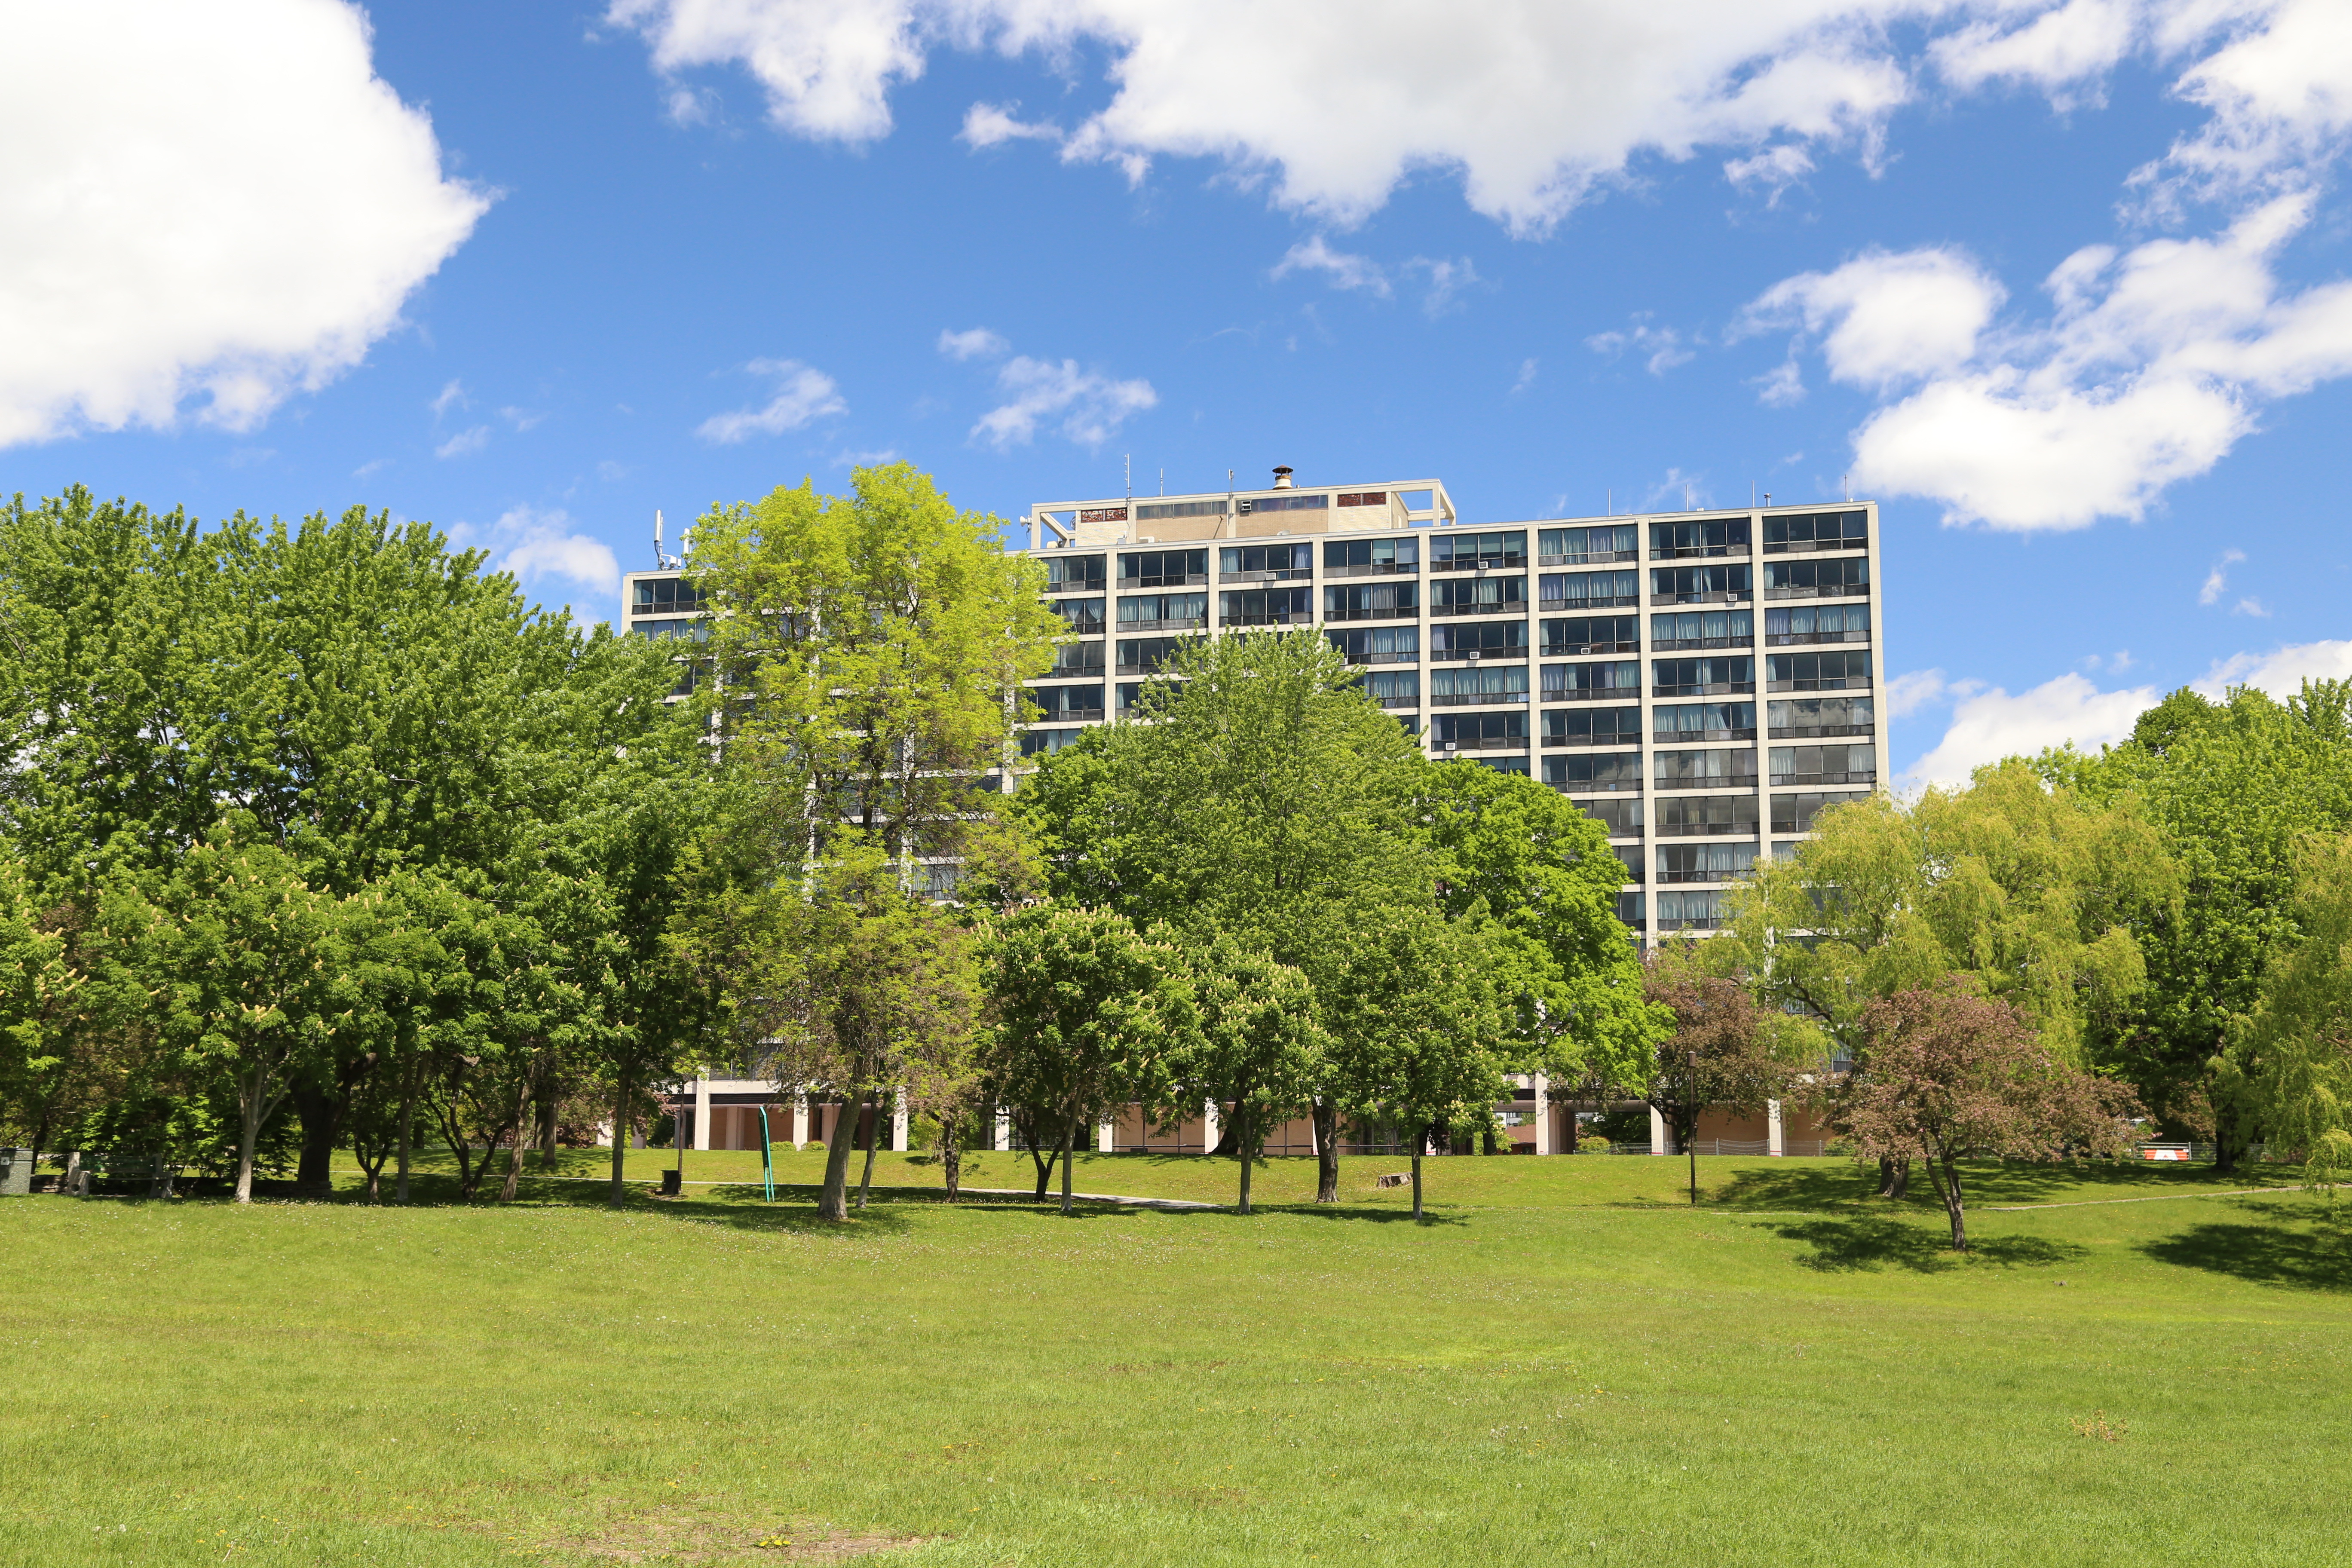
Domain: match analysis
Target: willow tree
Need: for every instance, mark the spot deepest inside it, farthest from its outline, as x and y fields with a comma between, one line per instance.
x=866, y=663
x=2289, y=1061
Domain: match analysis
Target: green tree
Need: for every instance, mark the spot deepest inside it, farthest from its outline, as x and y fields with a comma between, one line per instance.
x=867, y=652
x=2289, y=1061
x=1088, y=1014
x=1255, y=1045
x=1721, y=1049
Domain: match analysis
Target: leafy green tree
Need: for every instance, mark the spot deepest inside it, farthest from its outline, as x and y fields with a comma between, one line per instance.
x=1722, y=1049
x=1417, y=1029
x=1088, y=1014
x=2290, y=1059
x=1255, y=1045
x=867, y=652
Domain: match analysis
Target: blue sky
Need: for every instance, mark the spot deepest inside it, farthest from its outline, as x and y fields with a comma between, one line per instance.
x=2063, y=286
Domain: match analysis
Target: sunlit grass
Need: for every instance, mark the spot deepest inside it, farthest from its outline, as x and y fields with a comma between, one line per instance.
x=1560, y=1366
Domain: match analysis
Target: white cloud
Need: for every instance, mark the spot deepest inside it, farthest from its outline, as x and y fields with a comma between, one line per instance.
x=522, y=418
x=827, y=65
x=545, y=547
x=1527, y=376
x=2218, y=578
x=1774, y=171
x=992, y=124
x=374, y=466
x=802, y=393
x=2057, y=51
x=451, y=396
x=171, y=240
x=1677, y=490
x=1906, y=694
x=1344, y=270
x=2282, y=671
x=1446, y=279
x=1088, y=406
x=464, y=443
x=1890, y=317
x=1989, y=725
x=979, y=342
x=1783, y=387
x=2250, y=607
x=1662, y=348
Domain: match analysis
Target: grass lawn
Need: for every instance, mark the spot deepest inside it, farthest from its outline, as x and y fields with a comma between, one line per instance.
x=1563, y=1364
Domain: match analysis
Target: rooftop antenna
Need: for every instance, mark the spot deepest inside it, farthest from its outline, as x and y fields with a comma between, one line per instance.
x=1163, y=481
x=1130, y=475
x=662, y=562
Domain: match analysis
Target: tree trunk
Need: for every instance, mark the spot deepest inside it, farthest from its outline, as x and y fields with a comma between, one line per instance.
x=873, y=1141
x=322, y=1112
x=514, y=1152
x=950, y=1154
x=1241, y=1122
x=1567, y=1114
x=833, y=1199
x=548, y=1107
x=621, y=1141
x=1893, y=1177
x=249, y=1089
x=2225, y=1158
x=1417, y=1146
x=1327, y=1151
x=407, y=1120
x=1948, y=1187
x=1042, y=1159
x=1070, y=1131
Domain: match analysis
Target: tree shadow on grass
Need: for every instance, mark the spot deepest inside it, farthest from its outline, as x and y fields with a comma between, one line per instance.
x=1867, y=1243
x=2269, y=1247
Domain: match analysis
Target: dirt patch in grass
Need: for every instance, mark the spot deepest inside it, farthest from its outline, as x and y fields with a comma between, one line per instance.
x=680, y=1536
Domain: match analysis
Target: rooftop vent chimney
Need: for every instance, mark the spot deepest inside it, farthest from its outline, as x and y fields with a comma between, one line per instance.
x=1282, y=478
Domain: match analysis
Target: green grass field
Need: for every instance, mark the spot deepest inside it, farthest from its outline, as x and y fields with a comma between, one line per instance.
x=1565, y=1363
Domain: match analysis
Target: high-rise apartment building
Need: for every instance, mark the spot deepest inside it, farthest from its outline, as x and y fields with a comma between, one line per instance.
x=1702, y=682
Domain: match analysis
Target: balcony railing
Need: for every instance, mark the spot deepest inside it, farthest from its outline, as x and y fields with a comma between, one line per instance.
x=1695, y=551
x=1809, y=780
x=1478, y=699
x=1270, y=618
x=1478, y=656
x=1812, y=732
x=1677, y=645
x=1816, y=546
x=1400, y=701
x=1375, y=569
x=1705, y=829
x=1188, y=624
x=1384, y=659
x=1499, y=564
x=1721, y=688
x=1792, y=640
x=1665, y=737
x=1595, y=602
x=1486, y=743
x=1846, y=683
x=1703, y=876
x=1557, y=694
x=1407, y=613
x=1462, y=612
x=1564, y=741
x=1726, y=596
x=1590, y=558
x=1834, y=591
x=1566, y=650
x=1289, y=574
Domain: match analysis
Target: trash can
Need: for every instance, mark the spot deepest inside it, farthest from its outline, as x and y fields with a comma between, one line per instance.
x=15, y=1173
x=669, y=1188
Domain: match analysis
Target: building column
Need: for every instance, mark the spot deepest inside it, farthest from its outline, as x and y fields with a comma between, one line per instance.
x=1776, y=1141
x=1543, y=1114
x=1003, y=1130
x=1661, y=1140
x=898, y=1121
x=702, y=1108
x=1212, y=1126
x=800, y=1119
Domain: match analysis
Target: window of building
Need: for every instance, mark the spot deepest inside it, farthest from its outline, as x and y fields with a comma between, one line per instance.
x=1629, y=910
x=1163, y=568
x=1462, y=686
x=1274, y=560
x=1622, y=814
x=1842, y=671
x=1817, y=623
x=1593, y=727
x=1482, y=731
x=1043, y=742
x=1702, y=536
x=1702, y=628
x=1834, y=765
x=1154, y=510
x=1478, y=596
x=1369, y=556
x=1265, y=607
x=1616, y=679
x=1084, y=617
x=1718, y=768
x=1689, y=908
x=1452, y=552
x=1705, y=862
x=695, y=628
x=1068, y=702
x=1075, y=658
x=665, y=596
x=1596, y=634
x=1283, y=503
x=1704, y=722
x=1806, y=718
x=1587, y=546
x=1488, y=639
x=1373, y=602
x=1630, y=857
x=1839, y=575
x=1503, y=764
x=1378, y=645
x=1725, y=675
x=1363, y=498
x=1692, y=815
x=1589, y=590
x=1798, y=812
x=1701, y=584
x=1162, y=611
x=1128, y=690
x=1394, y=688
x=1816, y=531
x=1148, y=656
x=1594, y=772
x=1074, y=573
